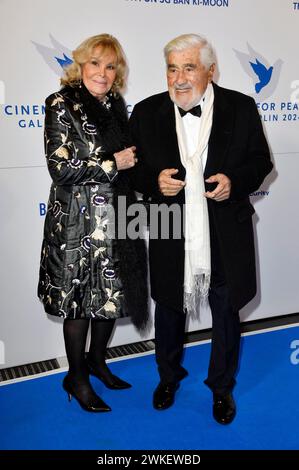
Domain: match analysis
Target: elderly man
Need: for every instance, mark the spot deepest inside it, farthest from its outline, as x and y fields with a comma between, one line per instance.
x=201, y=147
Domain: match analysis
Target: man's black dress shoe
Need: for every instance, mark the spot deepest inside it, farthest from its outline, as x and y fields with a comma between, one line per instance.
x=224, y=408
x=164, y=395
x=96, y=404
x=110, y=380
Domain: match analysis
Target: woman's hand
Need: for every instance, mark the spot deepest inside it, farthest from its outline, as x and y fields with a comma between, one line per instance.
x=125, y=158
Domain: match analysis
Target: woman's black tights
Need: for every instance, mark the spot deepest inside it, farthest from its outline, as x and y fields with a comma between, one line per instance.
x=75, y=335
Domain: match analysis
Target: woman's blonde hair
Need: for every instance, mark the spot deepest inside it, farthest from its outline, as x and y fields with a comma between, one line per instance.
x=73, y=72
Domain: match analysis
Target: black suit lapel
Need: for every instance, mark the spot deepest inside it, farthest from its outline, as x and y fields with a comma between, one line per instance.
x=167, y=138
x=221, y=132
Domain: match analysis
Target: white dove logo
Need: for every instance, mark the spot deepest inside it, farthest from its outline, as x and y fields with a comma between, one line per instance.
x=56, y=57
x=265, y=76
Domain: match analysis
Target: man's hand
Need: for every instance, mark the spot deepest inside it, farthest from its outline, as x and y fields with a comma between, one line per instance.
x=125, y=158
x=222, y=190
x=168, y=185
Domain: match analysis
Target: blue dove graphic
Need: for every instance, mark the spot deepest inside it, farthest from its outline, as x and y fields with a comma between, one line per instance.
x=64, y=62
x=256, y=66
x=263, y=74
x=56, y=57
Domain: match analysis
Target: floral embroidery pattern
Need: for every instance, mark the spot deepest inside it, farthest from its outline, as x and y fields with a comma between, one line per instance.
x=79, y=267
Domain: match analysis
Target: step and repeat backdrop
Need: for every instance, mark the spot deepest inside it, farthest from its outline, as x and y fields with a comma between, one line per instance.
x=256, y=43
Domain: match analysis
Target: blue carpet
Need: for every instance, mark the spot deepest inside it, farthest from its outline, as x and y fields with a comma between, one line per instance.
x=36, y=414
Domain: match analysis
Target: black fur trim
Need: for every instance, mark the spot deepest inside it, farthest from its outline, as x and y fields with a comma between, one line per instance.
x=132, y=263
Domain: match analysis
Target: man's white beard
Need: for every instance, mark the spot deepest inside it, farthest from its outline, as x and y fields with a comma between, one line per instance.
x=195, y=100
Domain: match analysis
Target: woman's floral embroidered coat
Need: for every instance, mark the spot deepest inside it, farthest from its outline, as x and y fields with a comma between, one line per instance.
x=79, y=270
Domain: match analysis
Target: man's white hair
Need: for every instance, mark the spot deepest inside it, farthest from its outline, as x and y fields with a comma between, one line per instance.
x=180, y=43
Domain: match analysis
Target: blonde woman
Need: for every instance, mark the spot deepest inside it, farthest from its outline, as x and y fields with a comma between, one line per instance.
x=86, y=276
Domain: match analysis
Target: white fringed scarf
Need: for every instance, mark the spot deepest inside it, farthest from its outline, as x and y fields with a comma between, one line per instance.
x=197, y=234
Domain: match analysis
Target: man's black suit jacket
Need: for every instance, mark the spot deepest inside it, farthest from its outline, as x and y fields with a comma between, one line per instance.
x=237, y=148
